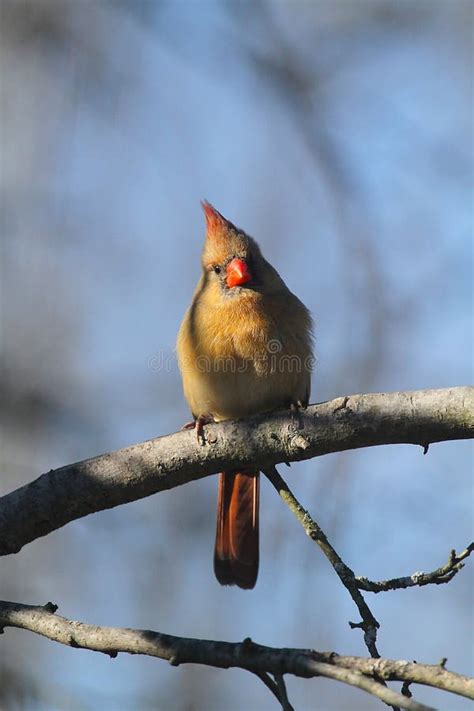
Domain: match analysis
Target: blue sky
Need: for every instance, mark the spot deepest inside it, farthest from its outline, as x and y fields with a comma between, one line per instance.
x=338, y=136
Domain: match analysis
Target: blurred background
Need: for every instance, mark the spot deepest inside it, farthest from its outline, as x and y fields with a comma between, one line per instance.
x=339, y=134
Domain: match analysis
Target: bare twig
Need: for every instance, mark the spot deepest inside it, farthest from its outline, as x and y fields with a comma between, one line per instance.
x=405, y=690
x=246, y=655
x=66, y=494
x=369, y=624
x=354, y=584
x=441, y=575
x=270, y=684
x=280, y=682
x=381, y=691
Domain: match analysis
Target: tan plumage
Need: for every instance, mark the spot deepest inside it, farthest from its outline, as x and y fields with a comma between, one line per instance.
x=244, y=347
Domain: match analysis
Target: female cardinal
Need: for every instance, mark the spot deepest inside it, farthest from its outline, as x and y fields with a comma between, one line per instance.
x=244, y=347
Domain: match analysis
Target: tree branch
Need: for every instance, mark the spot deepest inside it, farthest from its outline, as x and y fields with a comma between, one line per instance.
x=281, y=686
x=62, y=495
x=441, y=575
x=369, y=624
x=364, y=673
x=272, y=685
x=354, y=584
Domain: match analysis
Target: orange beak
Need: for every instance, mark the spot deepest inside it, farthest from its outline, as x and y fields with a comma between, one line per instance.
x=237, y=273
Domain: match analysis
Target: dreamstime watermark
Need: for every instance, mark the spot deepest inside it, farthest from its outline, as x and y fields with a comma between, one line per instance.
x=163, y=362
x=270, y=360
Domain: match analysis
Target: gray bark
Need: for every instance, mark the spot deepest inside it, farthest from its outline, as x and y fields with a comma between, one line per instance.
x=362, y=672
x=62, y=495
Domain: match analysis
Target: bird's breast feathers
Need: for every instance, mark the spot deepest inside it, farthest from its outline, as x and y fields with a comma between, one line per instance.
x=244, y=355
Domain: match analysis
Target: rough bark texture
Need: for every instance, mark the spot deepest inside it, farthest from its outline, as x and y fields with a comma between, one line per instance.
x=358, y=671
x=57, y=497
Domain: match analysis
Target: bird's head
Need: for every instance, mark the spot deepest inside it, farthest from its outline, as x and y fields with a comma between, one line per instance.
x=231, y=259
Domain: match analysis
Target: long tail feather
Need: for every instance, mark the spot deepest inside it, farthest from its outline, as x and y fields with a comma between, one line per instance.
x=236, y=550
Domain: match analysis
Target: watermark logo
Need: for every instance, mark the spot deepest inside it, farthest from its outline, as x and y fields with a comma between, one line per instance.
x=270, y=360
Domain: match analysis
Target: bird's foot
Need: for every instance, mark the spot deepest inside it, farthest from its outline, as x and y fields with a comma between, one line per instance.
x=295, y=414
x=189, y=425
x=198, y=425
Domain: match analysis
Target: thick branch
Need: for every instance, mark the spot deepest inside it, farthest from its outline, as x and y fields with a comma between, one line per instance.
x=362, y=672
x=418, y=417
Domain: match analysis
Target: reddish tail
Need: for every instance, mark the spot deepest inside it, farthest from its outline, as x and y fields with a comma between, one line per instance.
x=236, y=551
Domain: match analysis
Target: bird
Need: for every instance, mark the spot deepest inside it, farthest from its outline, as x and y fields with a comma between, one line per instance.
x=244, y=348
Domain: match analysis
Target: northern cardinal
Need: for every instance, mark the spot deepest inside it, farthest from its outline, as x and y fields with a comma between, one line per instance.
x=244, y=347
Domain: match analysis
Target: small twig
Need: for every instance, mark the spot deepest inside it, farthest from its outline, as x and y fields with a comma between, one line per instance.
x=441, y=575
x=369, y=624
x=406, y=689
x=270, y=684
x=285, y=703
x=381, y=691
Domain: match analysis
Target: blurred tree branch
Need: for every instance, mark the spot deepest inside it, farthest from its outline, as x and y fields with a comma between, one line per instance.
x=359, y=672
x=63, y=495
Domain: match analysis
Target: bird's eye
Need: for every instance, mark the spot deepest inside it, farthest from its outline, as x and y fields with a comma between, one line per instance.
x=217, y=269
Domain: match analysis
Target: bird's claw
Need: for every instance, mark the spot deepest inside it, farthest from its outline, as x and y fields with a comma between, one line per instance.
x=189, y=425
x=198, y=425
x=295, y=414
